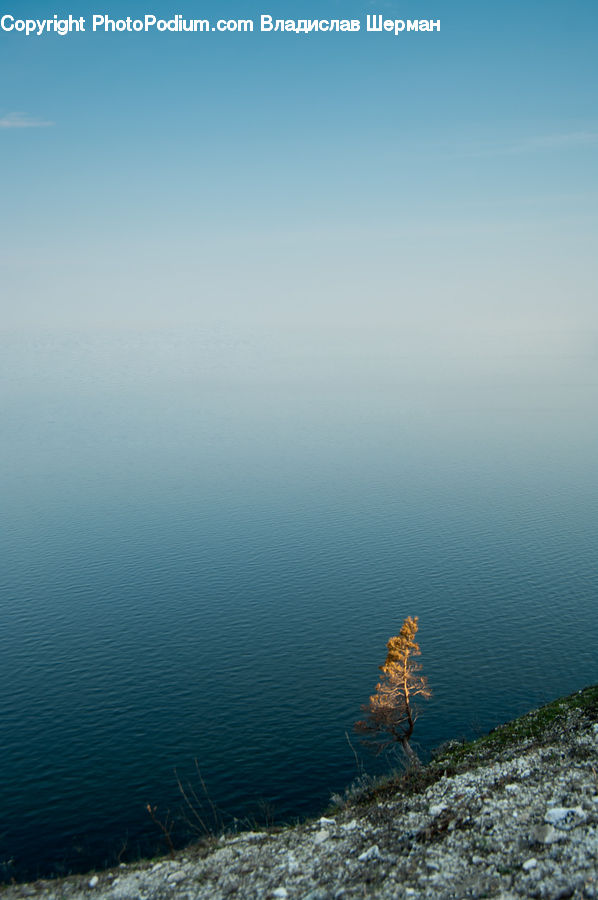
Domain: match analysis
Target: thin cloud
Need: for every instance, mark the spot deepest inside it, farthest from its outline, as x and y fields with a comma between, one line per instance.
x=22, y=120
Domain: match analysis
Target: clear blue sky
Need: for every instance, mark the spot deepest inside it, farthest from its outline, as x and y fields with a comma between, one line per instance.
x=363, y=182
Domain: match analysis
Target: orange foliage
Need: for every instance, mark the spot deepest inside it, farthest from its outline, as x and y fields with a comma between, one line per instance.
x=391, y=712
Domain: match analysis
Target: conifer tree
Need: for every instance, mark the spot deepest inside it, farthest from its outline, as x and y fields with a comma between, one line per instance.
x=391, y=712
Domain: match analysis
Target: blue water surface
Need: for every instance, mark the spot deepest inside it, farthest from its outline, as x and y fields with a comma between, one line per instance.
x=208, y=542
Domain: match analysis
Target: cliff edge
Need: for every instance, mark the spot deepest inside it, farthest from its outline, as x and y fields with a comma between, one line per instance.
x=513, y=814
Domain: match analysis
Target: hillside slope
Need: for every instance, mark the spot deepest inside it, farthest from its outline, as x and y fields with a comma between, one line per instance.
x=514, y=814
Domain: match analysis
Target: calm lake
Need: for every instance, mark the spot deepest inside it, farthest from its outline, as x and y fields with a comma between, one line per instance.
x=208, y=540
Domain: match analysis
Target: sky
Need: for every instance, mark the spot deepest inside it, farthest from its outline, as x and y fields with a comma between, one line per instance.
x=363, y=187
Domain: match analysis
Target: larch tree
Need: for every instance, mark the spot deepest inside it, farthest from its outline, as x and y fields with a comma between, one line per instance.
x=392, y=711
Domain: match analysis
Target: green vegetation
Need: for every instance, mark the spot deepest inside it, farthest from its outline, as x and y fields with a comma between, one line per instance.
x=537, y=728
x=534, y=728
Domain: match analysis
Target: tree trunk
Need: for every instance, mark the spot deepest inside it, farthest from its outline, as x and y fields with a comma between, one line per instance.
x=410, y=753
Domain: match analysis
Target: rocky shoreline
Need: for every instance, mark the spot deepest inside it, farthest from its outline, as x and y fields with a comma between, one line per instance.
x=513, y=814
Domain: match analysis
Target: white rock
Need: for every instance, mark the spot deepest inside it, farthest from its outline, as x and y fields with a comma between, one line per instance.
x=292, y=864
x=547, y=834
x=127, y=887
x=93, y=881
x=353, y=824
x=176, y=877
x=437, y=808
x=372, y=852
x=530, y=864
x=565, y=816
x=280, y=892
x=321, y=836
x=325, y=821
x=512, y=788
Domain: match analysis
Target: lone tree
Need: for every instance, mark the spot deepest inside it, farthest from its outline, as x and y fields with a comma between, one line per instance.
x=391, y=712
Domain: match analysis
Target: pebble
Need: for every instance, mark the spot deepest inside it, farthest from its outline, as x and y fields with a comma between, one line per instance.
x=93, y=881
x=372, y=853
x=292, y=864
x=547, y=834
x=565, y=816
x=324, y=821
x=437, y=808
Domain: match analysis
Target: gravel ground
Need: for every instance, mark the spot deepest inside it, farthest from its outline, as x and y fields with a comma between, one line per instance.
x=512, y=815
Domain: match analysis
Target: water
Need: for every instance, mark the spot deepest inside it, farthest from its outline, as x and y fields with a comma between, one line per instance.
x=209, y=539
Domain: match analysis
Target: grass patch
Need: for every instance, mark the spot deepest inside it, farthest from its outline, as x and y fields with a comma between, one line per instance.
x=534, y=729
